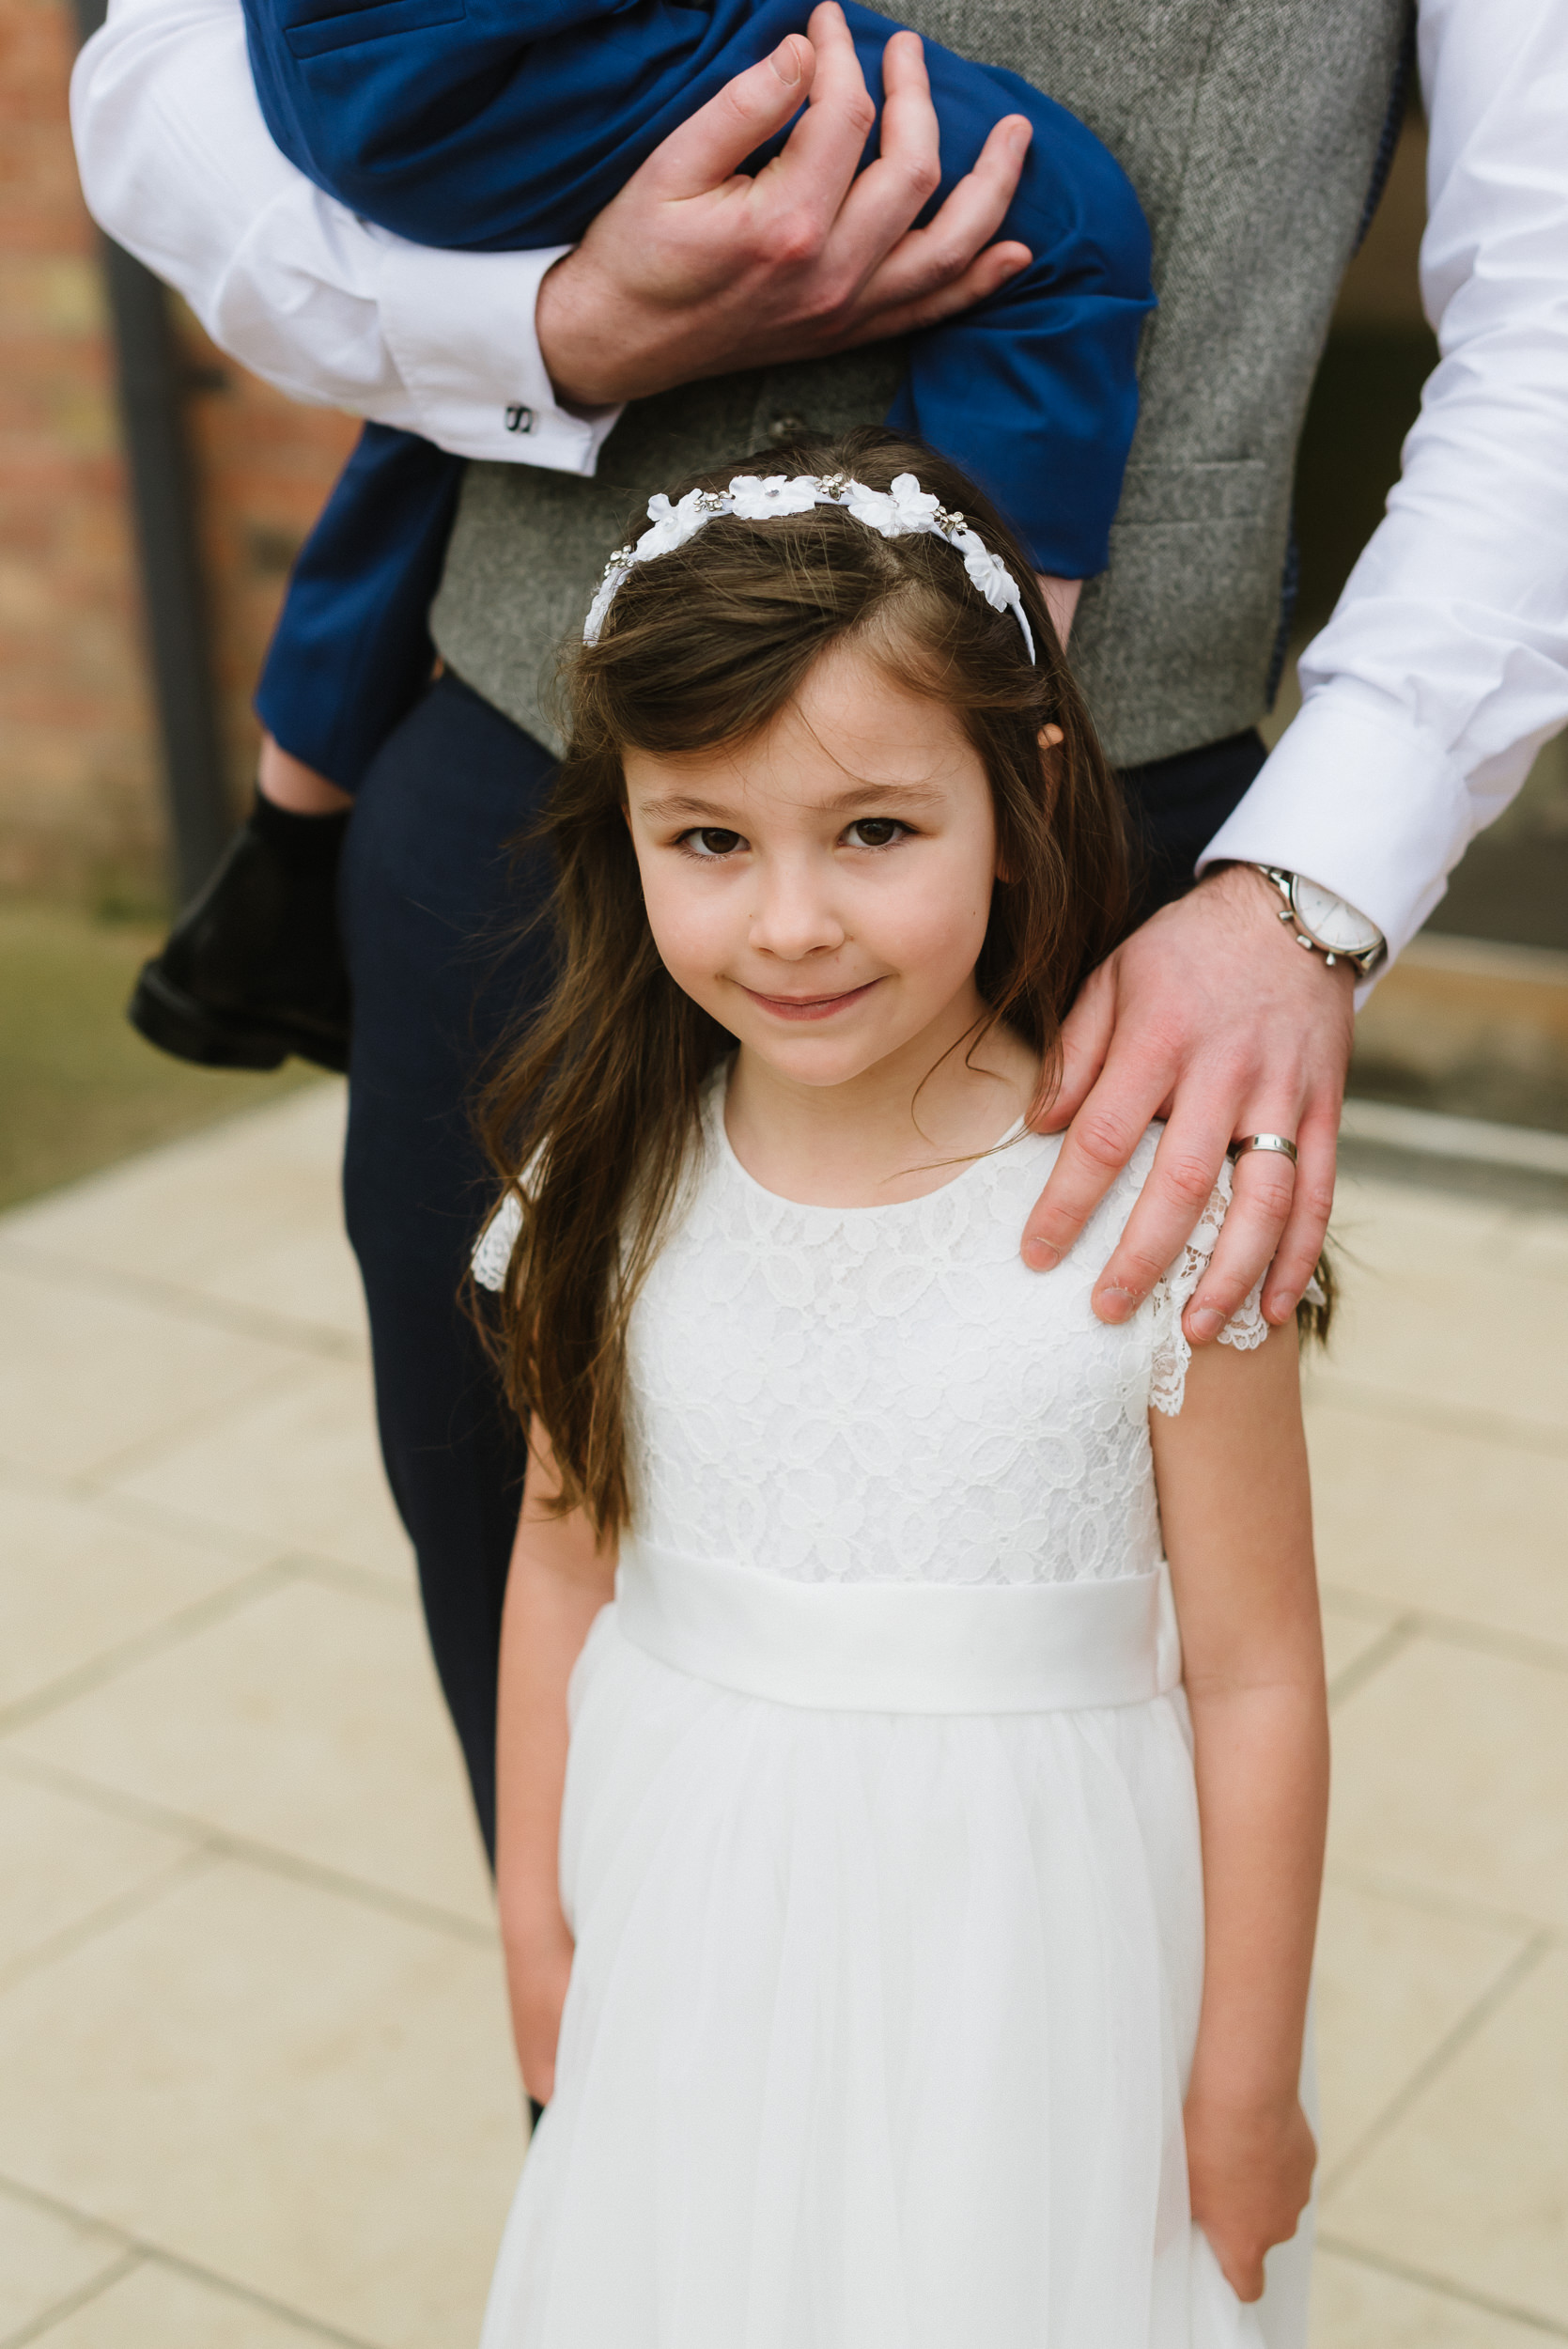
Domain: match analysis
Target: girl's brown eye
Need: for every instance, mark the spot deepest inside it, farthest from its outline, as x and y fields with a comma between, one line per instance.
x=711, y=841
x=875, y=832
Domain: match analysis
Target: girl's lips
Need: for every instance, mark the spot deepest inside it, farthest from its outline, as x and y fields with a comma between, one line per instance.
x=809, y=1006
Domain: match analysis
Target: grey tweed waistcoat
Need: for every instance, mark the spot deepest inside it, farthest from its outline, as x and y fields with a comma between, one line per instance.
x=1250, y=129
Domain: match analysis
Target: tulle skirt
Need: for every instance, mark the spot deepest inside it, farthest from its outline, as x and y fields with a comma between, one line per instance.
x=876, y=2033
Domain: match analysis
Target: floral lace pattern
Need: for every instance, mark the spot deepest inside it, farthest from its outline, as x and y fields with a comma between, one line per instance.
x=889, y=1394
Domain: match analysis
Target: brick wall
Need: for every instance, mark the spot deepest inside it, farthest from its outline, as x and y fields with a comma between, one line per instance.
x=79, y=791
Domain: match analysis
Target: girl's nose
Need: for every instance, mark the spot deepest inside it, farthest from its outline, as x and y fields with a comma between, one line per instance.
x=794, y=915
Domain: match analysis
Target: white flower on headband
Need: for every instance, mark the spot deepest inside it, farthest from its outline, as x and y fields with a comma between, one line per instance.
x=992, y=577
x=896, y=512
x=755, y=497
x=673, y=524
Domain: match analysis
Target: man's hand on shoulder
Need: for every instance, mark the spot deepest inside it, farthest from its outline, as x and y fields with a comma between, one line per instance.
x=1209, y=1018
x=697, y=269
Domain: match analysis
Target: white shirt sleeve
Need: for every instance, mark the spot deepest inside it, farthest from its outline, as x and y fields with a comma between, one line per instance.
x=178, y=167
x=1444, y=664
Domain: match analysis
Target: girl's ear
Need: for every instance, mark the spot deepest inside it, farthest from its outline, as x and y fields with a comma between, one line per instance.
x=1050, y=740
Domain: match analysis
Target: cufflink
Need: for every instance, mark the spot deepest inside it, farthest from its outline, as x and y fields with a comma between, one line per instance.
x=519, y=419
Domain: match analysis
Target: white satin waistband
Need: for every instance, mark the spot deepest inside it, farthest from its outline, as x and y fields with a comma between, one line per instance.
x=903, y=1647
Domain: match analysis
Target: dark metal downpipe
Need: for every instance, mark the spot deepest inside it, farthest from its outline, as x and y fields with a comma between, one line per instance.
x=173, y=591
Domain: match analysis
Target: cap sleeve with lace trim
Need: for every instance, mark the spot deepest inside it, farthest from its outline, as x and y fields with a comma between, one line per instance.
x=492, y=1251
x=1172, y=1293
x=491, y=1259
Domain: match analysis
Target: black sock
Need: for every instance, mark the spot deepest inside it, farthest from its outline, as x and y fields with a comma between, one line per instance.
x=304, y=842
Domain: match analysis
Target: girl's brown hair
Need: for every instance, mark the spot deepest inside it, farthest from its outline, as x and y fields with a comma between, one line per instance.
x=599, y=1101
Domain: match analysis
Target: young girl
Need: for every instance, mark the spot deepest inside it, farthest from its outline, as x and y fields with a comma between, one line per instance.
x=912, y=1748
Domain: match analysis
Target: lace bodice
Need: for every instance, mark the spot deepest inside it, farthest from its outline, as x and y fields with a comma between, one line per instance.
x=888, y=1393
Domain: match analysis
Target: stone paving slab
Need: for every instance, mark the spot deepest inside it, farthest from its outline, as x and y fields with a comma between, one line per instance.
x=258, y=2089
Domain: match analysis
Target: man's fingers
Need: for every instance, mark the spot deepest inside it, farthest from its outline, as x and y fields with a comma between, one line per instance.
x=927, y=260
x=1297, y=1256
x=985, y=273
x=1186, y=1166
x=1099, y=1143
x=710, y=146
x=893, y=188
x=805, y=186
x=977, y=206
x=1262, y=1193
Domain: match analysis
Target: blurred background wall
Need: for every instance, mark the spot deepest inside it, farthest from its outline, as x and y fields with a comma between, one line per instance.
x=82, y=813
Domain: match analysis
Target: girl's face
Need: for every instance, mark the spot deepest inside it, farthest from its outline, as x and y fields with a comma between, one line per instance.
x=823, y=890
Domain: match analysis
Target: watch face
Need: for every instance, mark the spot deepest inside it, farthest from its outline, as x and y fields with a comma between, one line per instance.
x=1331, y=922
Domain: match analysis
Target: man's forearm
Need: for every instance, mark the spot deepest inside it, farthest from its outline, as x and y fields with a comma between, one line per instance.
x=1444, y=664
x=178, y=166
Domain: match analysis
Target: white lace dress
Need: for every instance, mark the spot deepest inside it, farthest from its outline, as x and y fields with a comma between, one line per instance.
x=878, y=2022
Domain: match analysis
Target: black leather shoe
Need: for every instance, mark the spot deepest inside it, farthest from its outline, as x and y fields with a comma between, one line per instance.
x=253, y=968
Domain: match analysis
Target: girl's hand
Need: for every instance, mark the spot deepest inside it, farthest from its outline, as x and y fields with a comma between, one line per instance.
x=538, y=1967
x=1249, y=2176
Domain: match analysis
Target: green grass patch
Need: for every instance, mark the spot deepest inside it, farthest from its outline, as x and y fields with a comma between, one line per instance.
x=79, y=1088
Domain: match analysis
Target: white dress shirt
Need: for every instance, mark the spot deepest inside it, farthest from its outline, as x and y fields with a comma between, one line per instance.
x=1444, y=664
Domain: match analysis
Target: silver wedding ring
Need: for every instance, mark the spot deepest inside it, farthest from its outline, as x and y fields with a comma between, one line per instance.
x=1263, y=1142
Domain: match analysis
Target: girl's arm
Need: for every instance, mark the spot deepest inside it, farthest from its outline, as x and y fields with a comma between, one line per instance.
x=559, y=1579
x=1234, y=1503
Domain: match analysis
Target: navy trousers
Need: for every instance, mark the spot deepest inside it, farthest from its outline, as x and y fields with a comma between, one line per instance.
x=434, y=909
x=432, y=904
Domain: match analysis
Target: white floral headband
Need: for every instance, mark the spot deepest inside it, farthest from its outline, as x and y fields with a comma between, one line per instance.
x=900, y=512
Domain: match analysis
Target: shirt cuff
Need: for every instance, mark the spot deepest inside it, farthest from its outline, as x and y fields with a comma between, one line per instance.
x=461, y=329
x=1363, y=804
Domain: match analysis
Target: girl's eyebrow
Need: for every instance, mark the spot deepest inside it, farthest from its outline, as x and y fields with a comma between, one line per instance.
x=841, y=803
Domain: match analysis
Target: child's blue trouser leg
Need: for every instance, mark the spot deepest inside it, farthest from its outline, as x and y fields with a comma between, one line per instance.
x=351, y=652
x=1035, y=392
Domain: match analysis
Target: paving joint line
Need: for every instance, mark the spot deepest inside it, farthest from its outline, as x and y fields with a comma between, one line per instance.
x=82, y=2297
x=106, y=1917
x=1436, y=2061
x=1459, y=1912
x=1465, y=1631
x=157, y=2255
x=1404, y=2271
x=1519, y=1647
x=171, y=1631
x=135, y=1513
x=1392, y=1642
x=148, y=2253
x=188, y=1304
x=145, y=1451
x=269, y=1858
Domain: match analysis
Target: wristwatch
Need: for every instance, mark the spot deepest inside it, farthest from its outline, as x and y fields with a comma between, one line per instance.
x=1325, y=922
